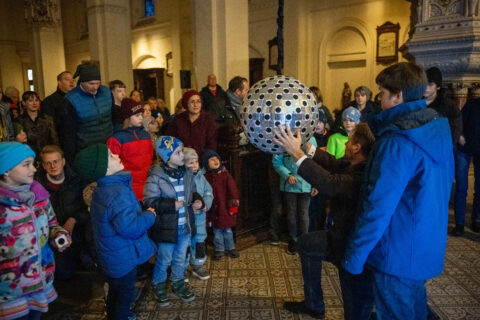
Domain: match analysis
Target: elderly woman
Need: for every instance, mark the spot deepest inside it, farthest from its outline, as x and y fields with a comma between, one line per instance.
x=196, y=129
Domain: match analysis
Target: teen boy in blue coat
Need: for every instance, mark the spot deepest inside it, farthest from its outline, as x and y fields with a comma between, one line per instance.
x=400, y=232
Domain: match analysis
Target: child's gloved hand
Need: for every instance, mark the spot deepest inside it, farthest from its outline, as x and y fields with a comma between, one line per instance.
x=233, y=203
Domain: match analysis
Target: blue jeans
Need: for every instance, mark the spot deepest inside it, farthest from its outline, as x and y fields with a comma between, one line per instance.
x=174, y=255
x=357, y=294
x=462, y=164
x=311, y=248
x=200, y=236
x=32, y=315
x=121, y=294
x=296, y=208
x=399, y=298
x=223, y=239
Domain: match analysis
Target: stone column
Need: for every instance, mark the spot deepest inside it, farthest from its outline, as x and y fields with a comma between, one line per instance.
x=46, y=43
x=220, y=40
x=109, y=31
x=447, y=35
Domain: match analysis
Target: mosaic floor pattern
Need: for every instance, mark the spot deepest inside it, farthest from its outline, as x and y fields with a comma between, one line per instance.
x=256, y=285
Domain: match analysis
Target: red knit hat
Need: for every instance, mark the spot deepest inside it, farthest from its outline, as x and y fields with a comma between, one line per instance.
x=130, y=107
x=187, y=95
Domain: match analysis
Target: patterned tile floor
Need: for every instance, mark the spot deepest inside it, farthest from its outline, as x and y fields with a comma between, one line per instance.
x=256, y=285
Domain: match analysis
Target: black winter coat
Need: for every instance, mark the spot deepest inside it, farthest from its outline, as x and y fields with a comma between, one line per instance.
x=68, y=200
x=446, y=108
x=471, y=127
x=342, y=181
x=52, y=104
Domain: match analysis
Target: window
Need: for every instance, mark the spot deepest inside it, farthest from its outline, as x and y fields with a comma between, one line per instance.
x=149, y=8
x=30, y=80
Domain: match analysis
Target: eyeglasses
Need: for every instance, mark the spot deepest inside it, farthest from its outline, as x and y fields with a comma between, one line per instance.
x=53, y=163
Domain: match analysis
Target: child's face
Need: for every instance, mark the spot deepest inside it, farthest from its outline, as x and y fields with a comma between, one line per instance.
x=176, y=159
x=114, y=163
x=21, y=137
x=147, y=111
x=136, y=120
x=119, y=93
x=22, y=173
x=320, y=127
x=192, y=163
x=213, y=163
x=349, y=125
x=360, y=98
x=153, y=127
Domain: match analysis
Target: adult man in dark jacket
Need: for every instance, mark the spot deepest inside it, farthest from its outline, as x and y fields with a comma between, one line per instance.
x=65, y=188
x=468, y=148
x=400, y=228
x=86, y=117
x=51, y=105
x=340, y=179
x=214, y=99
x=437, y=99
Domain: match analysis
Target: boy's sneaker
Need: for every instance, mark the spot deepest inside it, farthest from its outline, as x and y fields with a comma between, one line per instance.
x=200, y=250
x=292, y=247
x=274, y=242
x=160, y=292
x=233, y=253
x=301, y=308
x=218, y=255
x=200, y=273
x=181, y=290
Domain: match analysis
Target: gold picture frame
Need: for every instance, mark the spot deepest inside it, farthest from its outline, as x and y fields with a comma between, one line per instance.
x=387, y=43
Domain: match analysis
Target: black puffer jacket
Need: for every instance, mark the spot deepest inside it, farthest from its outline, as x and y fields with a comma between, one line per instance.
x=446, y=108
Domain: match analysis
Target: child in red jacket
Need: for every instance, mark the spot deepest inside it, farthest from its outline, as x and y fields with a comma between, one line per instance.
x=133, y=145
x=223, y=213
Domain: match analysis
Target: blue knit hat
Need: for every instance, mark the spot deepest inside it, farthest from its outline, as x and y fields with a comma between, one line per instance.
x=322, y=116
x=165, y=145
x=352, y=114
x=12, y=153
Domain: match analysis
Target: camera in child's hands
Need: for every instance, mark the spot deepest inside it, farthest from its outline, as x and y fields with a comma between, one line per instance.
x=61, y=241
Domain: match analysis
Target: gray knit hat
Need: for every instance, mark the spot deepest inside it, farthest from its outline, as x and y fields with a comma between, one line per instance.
x=189, y=153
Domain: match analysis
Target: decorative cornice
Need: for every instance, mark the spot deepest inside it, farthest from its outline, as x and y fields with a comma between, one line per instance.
x=99, y=9
x=42, y=13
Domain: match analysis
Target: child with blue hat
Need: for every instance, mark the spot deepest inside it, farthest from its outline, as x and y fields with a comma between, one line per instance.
x=336, y=142
x=28, y=230
x=170, y=191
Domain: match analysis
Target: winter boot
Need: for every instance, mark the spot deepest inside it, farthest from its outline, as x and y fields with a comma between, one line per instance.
x=160, y=292
x=180, y=289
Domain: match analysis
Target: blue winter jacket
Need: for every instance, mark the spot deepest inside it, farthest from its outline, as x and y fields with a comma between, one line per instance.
x=119, y=226
x=401, y=229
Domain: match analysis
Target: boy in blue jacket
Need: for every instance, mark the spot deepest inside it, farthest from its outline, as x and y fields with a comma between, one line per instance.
x=119, y=225
x=400, y=230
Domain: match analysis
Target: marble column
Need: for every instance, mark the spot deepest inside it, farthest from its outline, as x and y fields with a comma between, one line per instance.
x=220, y=40
x=46, y=43
x=447, y=35
x=109, y=31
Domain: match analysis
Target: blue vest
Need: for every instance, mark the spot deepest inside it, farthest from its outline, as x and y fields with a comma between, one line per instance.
x=94, y=113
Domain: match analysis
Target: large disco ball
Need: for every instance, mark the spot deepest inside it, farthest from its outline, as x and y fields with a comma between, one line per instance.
x=274, y=101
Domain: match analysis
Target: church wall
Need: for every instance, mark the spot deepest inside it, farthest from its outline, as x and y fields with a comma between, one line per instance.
x=14, y=46
x=328, y=42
